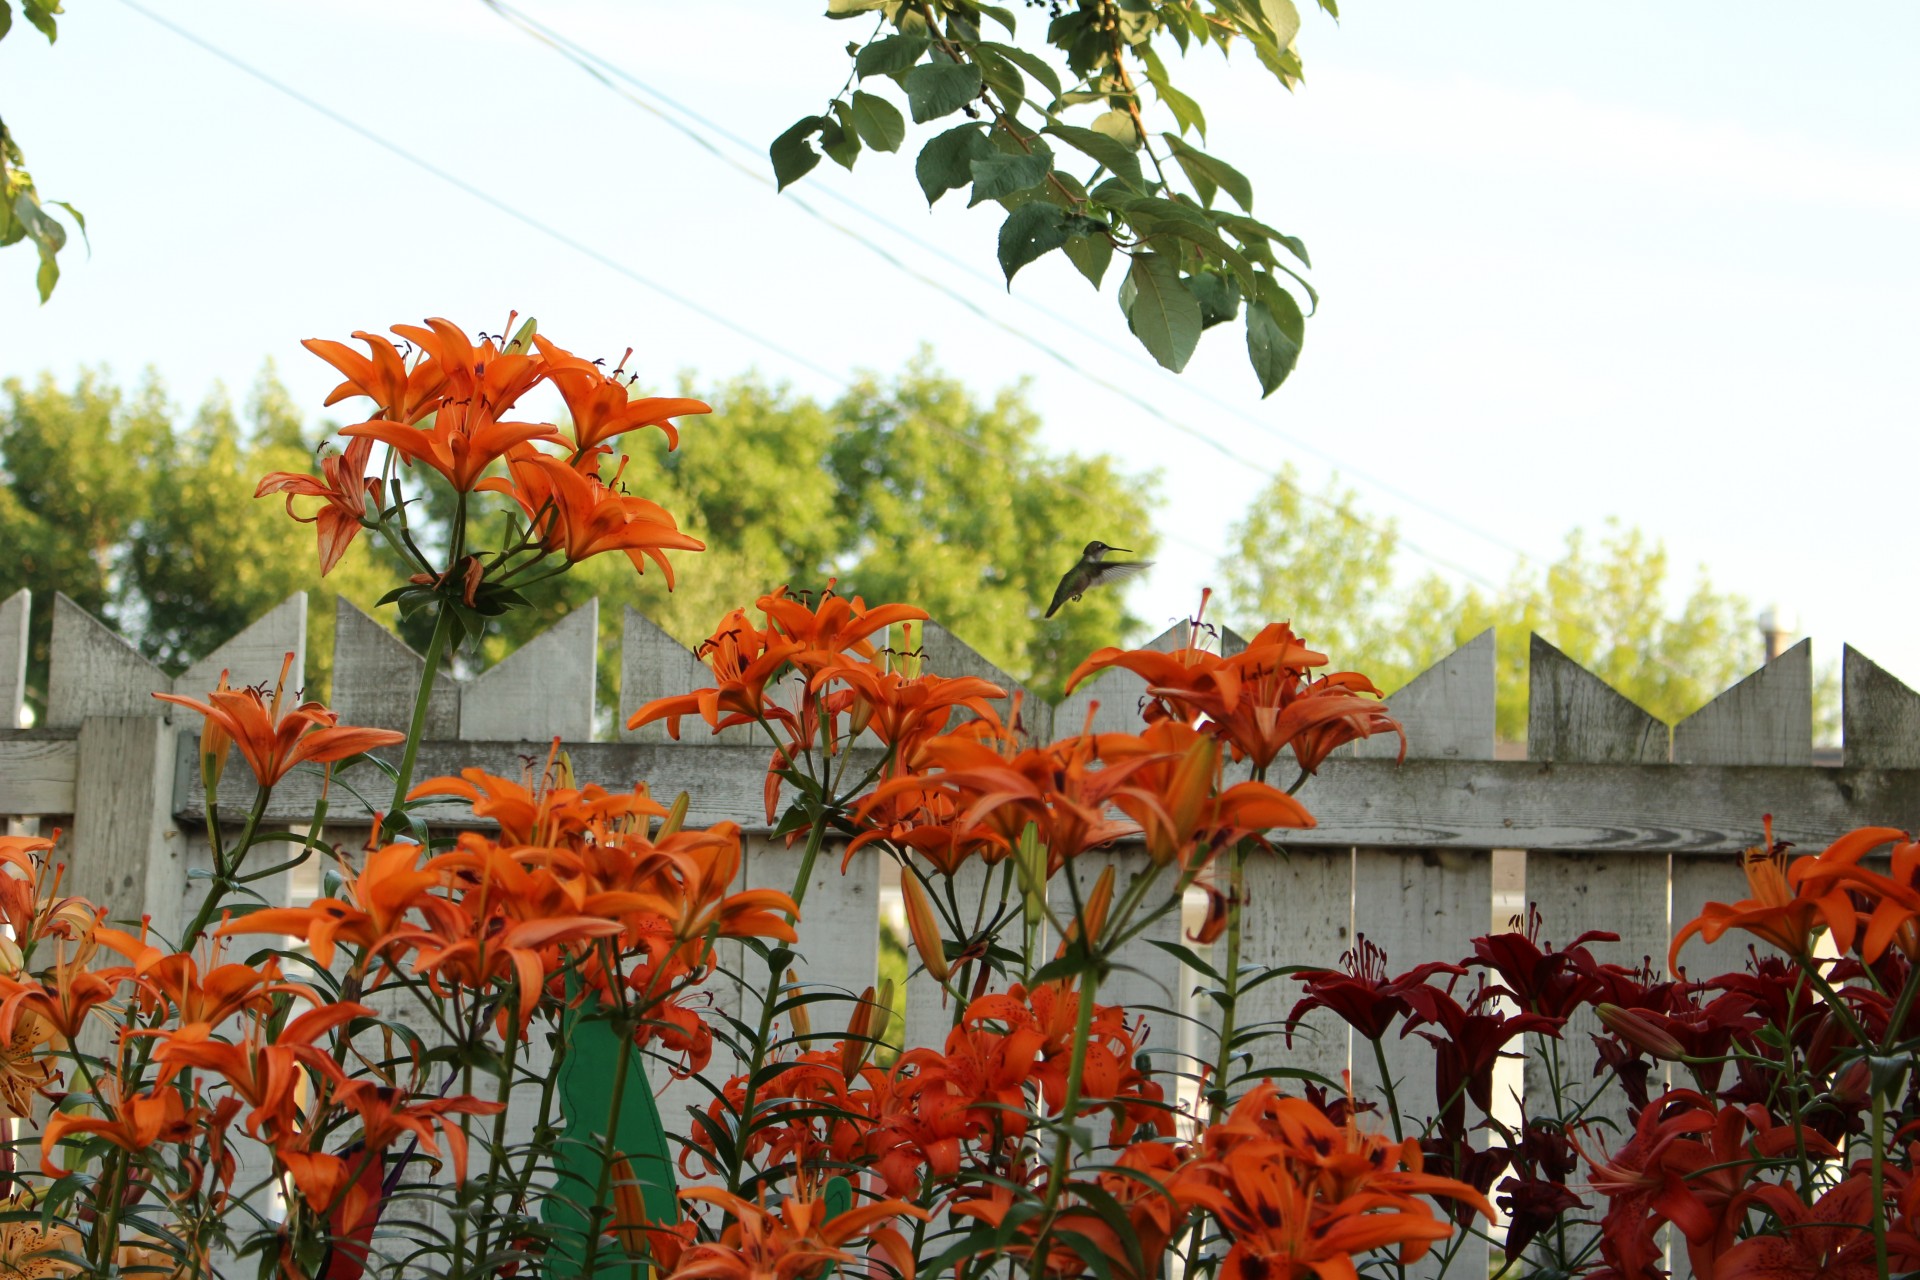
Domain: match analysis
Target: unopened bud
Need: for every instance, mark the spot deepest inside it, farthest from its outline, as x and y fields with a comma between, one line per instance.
x=925, y=928
x=797, y=1014
x=1641, y=1032
x=1093, y=913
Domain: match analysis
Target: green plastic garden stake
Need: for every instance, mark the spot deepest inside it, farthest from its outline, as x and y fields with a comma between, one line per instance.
x=586, y=1091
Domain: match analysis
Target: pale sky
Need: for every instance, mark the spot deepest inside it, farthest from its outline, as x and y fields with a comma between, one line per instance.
x=1647, y=260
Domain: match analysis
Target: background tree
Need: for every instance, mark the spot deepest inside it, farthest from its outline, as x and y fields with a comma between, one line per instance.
x=1607, y=602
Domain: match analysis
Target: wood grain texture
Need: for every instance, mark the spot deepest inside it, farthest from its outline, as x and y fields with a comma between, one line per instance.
x=254, y=656
x=1879, y=715
x=1299, y=911
x=126, y=852
x=945, y=654
x=543, y=690
x=96, y=673
x=375, y=676
x=1573, y=714
x=1765, y=719
x=1447, y=709
x=37, y=773
x=1447, y=804
x=14, y=615
x=655, y=665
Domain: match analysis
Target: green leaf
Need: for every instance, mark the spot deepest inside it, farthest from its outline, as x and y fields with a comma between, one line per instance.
x=6, y=19
x=889, y=56
x=879, y=122
x=936, y=89
x=41, y=13
x=1219, y=297
x=1117, y=125
x=1000, y=174
x=839, y=139
x=1114, y=157
x=1250, y=228
x=1186, y=112
x=1035, y=228
x=1275, y=331
x=1163, y=313
x=1203, y=168
x=852, y=8
x=946, y=162
x=1039, y=68
x=1090, y=254
x=1002, y=16
x=1281, y=20
x=792, y=154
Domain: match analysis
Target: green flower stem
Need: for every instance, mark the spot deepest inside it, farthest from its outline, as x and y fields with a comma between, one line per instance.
x=1062, y=1147
x=417, y=727
x=1217, y=1099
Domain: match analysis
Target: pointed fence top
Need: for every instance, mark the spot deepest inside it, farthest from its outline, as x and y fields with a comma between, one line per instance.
x=1574, y=715
x=1880, y=716
x=1767, y=718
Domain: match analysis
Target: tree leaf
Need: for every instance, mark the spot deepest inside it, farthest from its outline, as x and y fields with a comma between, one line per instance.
x=1163, y=313
x=1037, y=67
x=879, y=122
x=1117, y=125
x=1001, y=174
x=838, y=139
x=1117, y=159
x=889, y=56
x=946, y=161
x=852, y=8
x=1275, y=331
x=1219, y=297
x=936, y=89
x=792, y=154
x=1198, y=164
x=1282, y=21
x=1035, y=228
x=1090, y=254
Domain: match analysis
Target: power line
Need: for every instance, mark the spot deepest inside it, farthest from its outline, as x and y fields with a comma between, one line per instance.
x=561, y=237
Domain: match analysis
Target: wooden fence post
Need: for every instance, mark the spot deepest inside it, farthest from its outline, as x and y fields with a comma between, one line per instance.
x=543, y=690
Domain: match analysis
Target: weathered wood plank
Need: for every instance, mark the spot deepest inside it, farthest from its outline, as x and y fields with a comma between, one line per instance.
x=1447, y=709
x=1299, y=910
x=1119, y=693
x=930, y=1012
x=655, y=665
x=37, y=773
x=1765, y=719
x=543, y=690
x=1436, y=804
x=96, y=673
x=1573, y=714
x=1695, y=883
x=126, y=852
x=1879, y=715
x=254, y=656
x=375, y=676
x=14, y=615
x=945, y=654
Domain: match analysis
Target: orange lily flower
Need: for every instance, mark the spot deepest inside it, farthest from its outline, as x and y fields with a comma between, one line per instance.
x=387, y=1113
x=743, y=659
x=547, y=815
x=75, y=993
x=267, y=1076
x=272, y=743
x=902, y=710
x=1895, y=915
x=137, y=1123
x=382, y=376
x=1776, y=912
x=599, y=405
x=225, y=991
x=24, y=1066
x=343, y=486
x=1173, y=795
x=372, y=917
x=835, y=625
x=580, y=516
x=798, y=1243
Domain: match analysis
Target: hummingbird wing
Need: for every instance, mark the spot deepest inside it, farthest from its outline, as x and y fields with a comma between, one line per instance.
x=1120, y=570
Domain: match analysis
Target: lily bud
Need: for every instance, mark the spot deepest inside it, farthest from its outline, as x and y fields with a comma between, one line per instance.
x=522, y=340
x=1094, y=911
x=859, y=1042
x=216, y=744
x=924, y=926
x=629, y=1208
x=1640, y=1031
x=676, y=816
x=1031, y=859
x=798, y=1015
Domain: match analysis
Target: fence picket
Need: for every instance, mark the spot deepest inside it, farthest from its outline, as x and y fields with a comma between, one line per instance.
x=375, y=675
x=254, y=656
x=1879, y=715
x=945, y=654
x=95, y=672
x=543, y=690
x=15, y=612
x=655, y=665
x=1299, y=911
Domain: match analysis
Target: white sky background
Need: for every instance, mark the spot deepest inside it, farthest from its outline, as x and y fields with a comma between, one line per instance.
x=1646, y=260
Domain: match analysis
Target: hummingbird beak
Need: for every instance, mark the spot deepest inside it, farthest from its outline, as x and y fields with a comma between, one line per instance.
x=1123, y=550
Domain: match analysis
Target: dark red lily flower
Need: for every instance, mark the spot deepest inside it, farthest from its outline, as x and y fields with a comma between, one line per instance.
x=1470, y=1040
x=1540, y=979
x=1360, y=993
x=1532, y=1205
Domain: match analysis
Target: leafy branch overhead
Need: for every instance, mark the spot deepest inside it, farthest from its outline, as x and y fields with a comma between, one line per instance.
x=23, y=215
x=1060, y=139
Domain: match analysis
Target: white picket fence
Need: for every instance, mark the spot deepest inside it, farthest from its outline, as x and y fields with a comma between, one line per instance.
x=1613, y=820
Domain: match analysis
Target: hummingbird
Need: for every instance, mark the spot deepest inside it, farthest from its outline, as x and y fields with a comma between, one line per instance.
x=1094, y=570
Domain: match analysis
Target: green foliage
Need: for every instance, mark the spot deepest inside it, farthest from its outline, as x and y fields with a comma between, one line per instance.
x=1149, y=194
x=1606, y=602
x=23, y=214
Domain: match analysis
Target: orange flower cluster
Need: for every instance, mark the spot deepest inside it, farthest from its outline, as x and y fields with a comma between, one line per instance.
x=450, y=413
x=1261, y=701
x=577, y=882
x=799, y=1242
